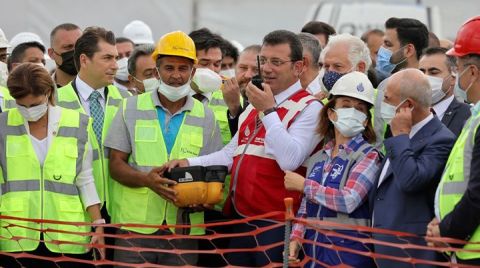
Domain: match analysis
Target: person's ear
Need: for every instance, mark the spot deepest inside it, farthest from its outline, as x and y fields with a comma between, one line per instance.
x=361, y=67
x=332, y=115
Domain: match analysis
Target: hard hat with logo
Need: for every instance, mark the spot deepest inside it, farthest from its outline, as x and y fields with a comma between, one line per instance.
x=175, y=44
x=139, y=32
x=468, y=39
x=355, y=85
x=3, y=40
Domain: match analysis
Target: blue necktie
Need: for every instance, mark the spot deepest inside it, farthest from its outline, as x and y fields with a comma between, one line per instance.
x=96, y=112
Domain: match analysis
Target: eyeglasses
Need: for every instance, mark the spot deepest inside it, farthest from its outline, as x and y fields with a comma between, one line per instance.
x=275, y=62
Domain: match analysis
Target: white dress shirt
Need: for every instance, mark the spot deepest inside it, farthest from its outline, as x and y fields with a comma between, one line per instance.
x=84, y=181
x=84, y=91
x=441, y=107
x=297, y=143
x=314, y=87
x=413, y=131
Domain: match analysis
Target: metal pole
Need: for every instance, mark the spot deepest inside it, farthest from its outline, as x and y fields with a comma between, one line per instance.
x=288, y=228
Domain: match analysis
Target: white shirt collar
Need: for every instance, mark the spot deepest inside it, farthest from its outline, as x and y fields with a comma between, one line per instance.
x=420, y=125
x=314, y=86
x=441, y=107
x=84, y=90
x=284, y=95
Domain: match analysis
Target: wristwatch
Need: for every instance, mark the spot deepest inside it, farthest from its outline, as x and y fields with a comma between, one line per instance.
x=270, y=110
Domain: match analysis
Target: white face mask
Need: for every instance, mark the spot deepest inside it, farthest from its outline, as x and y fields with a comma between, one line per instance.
x=349, y=121
x=229, y=73
x=3, y=74
x=436, y=83
x=33, y=113
x=207, y=80
x=388, y=111
x=173, y=94
x=122, y=72
x=150, y=84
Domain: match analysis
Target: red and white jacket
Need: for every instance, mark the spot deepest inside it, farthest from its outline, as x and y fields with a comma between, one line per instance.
x=257, y=185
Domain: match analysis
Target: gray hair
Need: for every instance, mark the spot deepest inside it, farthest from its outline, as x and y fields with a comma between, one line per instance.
x=311, y=45
x=142, y=50
x=416, y=86
x=358, y=52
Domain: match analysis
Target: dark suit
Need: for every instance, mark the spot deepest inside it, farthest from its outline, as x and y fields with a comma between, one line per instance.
x=455, y=116
x=404, y=200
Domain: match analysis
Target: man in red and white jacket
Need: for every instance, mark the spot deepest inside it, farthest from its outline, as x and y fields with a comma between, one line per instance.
x=277, y=132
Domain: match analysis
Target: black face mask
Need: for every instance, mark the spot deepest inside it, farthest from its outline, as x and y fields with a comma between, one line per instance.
x=68, y=65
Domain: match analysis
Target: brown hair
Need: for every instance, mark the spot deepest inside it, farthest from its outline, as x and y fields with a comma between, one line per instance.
x=29, y=78
x=326, y=129
x=88, y=43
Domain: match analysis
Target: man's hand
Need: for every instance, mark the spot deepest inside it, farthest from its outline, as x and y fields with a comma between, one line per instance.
x=433, y=230
x=261, y=100
x=231, y=96
x=402, y=122
x=161, y=185
x=98, y=238
x=294, y=181
x=176, y=163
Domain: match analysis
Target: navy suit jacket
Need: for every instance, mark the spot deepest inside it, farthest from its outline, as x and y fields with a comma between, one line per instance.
x=456, y=115
x=404, y=200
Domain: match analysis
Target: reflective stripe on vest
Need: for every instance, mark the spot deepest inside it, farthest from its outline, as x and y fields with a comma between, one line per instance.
x=8, y=100
x=142, y=205
x=220, y=108
x=30, y=191
x=455, y=180
x=67, y=97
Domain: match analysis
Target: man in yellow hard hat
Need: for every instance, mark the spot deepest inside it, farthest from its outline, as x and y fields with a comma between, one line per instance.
x=147, y=131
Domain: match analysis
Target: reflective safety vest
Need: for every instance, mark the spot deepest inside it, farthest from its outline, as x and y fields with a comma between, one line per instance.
x=257, y=179
x=67, y=97
x=337, y=178
x=455, y=179
x=220, y=108
x=50, y=193
x=142, y=205
x=8, y=101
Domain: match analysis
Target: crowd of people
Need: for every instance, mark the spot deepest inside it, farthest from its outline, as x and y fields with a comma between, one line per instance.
x=378, y=131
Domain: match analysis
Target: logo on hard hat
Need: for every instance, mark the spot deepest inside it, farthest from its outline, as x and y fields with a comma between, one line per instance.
x=360, y=87
x=180, y=48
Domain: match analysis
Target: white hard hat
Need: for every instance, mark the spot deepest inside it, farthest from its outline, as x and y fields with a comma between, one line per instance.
x=3, y=40
x=237, y=44
x=25, y=37
x=355, y=85
x=139, y=32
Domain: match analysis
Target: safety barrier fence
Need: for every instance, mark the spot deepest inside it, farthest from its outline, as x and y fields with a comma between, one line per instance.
x=214, y=248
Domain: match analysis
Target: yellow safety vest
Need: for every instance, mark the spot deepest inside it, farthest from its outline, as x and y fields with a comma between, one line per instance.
x=8, y=101
x=455, y=179
x=220, y=108
x=67, y=97
x=142, y=205
x=30, y=191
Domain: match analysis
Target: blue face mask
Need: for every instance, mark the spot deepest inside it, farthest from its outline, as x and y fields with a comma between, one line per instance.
x=384, y=66
x=458, y=91
x=330, y=78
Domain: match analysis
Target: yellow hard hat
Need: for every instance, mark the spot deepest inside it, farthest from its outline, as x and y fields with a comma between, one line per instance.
x=175, y=44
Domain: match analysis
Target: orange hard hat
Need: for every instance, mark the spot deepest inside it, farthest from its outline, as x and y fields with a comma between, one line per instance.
x=468, y=39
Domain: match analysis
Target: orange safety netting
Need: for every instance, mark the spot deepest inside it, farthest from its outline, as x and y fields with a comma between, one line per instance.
x=213, y=248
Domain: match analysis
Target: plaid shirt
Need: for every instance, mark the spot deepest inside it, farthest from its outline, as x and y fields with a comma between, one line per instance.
x=351, y=196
